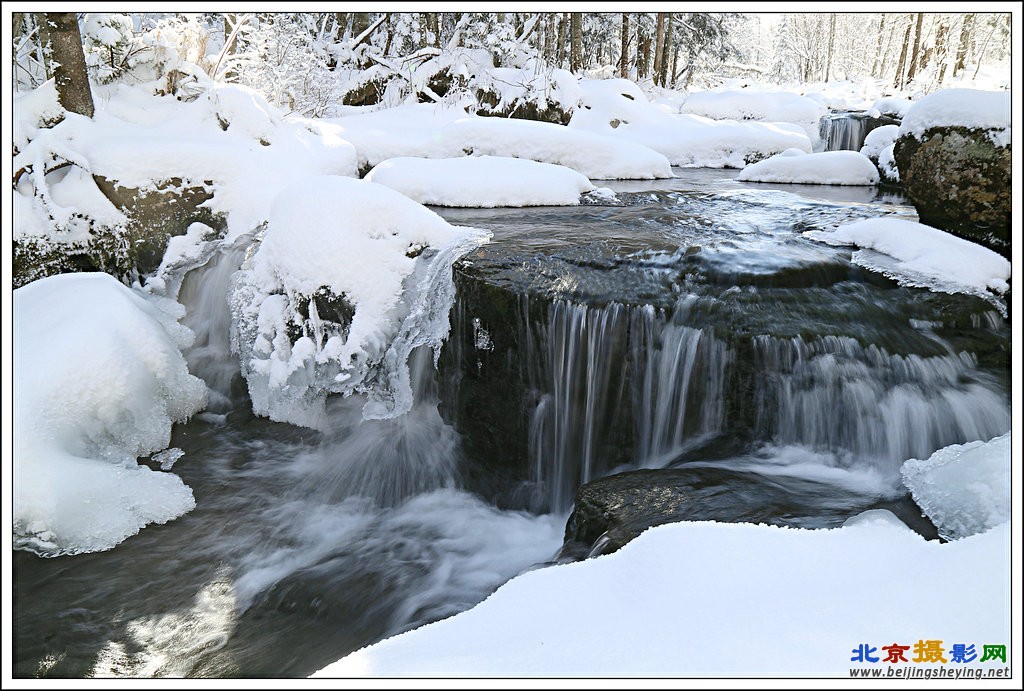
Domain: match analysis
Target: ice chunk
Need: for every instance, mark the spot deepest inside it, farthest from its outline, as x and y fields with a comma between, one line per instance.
x=99, y=380
x=964, y=488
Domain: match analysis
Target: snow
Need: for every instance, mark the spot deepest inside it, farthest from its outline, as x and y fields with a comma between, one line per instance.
x=709, y=599
x=35, y=110
x=924, y=255
x=100, y=379
x=891, y=105
x=758, y=105
x=879, y=146
x=970, y=108
x=965, y=488
x=823, y=168
x=433, y=131
x=141, y=140
x=481, y=181
x=618, y=108
x=387, y=256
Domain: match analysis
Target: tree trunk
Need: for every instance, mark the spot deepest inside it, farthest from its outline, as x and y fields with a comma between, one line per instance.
x=831, y=45
x=576, y=54
x=940, y=52
x=562, y=26
x=643, y=52
x=899, y=82
x=624, y=52
x=878, y=48
x=915, y=53
x=549, y=37
x=659, y=46
x=66, y=52
x=965, y=41
x=666, y=51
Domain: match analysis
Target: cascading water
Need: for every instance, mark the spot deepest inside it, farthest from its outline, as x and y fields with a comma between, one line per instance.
x=833, y=394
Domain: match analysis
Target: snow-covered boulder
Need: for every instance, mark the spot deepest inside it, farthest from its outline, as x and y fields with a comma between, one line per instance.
x=99, y=380
x=953, y=154
x=878, y=146
x=824, y=168
x=349, y=278
x=482, y=181
x=965, y=488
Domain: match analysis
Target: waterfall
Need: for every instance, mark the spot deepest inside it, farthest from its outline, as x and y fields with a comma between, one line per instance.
x=832, y=393
x=620, y=382
x=204, y=292
x=843, y=132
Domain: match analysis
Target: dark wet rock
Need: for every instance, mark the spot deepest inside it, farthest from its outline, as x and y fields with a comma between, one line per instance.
x=610, y=512
x=959, y=181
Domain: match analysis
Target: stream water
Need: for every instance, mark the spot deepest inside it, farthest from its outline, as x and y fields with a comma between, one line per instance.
x=687, y=323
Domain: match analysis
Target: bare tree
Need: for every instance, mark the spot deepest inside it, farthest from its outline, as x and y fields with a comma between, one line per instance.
x=66, y=54
x=831, y=45
x=666, y=50
x=576, y=49
x=659, y=45
x=912, y=70
x=965, y=41
x=898, y=82
x=624, y=53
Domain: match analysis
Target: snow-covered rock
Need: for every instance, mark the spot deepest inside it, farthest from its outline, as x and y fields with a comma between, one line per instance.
x=481, y=181
x=349, y=278
x=924, y=256
x=954, y=157
x=618, y=108
x=824, y=168
x=878, y=146
x=965, y=488
x=99, y=381
x=779, y=106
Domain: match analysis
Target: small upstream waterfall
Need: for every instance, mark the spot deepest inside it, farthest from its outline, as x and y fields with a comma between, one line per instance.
x=620, y=381
x=843, y=132
x=832, y=393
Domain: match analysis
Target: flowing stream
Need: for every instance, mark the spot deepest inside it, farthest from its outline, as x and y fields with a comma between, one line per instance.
x=688, y=323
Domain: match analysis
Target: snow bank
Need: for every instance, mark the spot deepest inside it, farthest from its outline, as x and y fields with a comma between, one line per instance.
x=762, y=106
x=99, y=381
x=618, y=108
x=229, y=140
x=429, y=131
x=925, y=256
x=824, y=168
x=970, y=108
x=481, y=181
x=965, y=488
x=597, y=156
x=683, y=600
x=378, y=261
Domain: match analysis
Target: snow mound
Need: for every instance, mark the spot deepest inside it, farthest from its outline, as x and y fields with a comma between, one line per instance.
x=813, y=588
x=597, y=156
x=100, y=380
x=964, y=488
x=618, y=108
x=925, y=256
x=35, y=110
x=895, y=107
x=781, y=106
x=349, y=278
x=433, y=131
x=970, y=108
x=824, y=168
x=879, y=146
x=481, y=181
